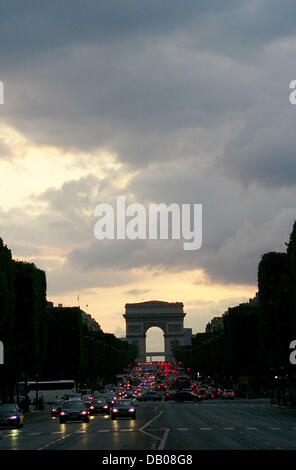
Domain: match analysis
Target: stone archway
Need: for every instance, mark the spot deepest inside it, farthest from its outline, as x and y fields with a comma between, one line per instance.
x=167, y=316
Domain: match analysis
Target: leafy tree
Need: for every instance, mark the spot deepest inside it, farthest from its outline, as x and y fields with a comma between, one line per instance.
x=275, y=301
x=7, y=322
x=30, y=291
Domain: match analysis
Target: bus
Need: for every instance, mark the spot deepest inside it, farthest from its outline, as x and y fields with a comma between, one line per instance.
x=49, y=390
x=182, y=382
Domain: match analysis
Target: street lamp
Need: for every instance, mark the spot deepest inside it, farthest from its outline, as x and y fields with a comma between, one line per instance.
x=36, y=405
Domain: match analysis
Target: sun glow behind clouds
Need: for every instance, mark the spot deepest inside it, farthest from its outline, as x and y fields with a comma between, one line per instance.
x=28, y=168
x=201, y=302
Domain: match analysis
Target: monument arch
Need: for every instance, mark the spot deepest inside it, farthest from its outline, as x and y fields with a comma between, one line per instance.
x=168, y=316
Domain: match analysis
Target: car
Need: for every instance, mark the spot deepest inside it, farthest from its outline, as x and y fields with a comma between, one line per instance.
x=220, y=391
x=124, y=409
x=75, y=397
x=11, y=415
x=187, y=395
x=87, y=397
x=56, y=408
x=128, y=395
x=210, y=394
x=227, y=394
x=169, y=395
x=201, y=392
x=151, y=395
x=74, y=411
x=98, y=406
x=110, y=398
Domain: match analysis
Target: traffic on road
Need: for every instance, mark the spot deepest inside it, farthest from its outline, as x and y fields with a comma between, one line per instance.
x=154, y=406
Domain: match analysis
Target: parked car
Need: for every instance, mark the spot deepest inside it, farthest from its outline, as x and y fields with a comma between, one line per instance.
x=11, y=415
x=74, y=411
x=124, y=409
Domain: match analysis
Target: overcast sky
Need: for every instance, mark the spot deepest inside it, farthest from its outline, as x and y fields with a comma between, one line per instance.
x=159, y=101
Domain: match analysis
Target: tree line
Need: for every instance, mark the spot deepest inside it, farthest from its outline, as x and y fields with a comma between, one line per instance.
x=252, y=344
x=46, y=342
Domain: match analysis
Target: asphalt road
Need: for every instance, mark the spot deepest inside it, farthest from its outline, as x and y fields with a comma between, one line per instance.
x=212, y=425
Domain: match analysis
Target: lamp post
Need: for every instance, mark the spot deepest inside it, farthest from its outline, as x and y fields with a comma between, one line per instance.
x=37, y=398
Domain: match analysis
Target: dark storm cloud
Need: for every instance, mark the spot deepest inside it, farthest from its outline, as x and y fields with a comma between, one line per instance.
x=192, y=94
x=129, y=75
x=239, y=225
x=35, y=27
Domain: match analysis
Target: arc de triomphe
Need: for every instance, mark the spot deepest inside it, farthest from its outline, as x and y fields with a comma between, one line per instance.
x=167, y=316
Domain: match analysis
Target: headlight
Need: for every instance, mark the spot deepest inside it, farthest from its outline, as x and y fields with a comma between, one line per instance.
x=131, y=410
x=13, y=417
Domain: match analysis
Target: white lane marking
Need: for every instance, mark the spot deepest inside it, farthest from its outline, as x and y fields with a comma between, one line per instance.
x=54, y=442
x=151, y=421
x=205, y=429
x=251, y=428
x=104, y=430
x=147, y=424
x=126, y=430
x=163, y=440
x=182, y=429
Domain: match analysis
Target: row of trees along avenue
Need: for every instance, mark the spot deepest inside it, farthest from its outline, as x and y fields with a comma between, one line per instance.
x=252, y=345
x=50, y=342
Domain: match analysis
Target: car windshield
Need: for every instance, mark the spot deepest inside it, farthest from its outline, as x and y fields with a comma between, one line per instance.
x=4, y=408
x=125, y=404
x=73, y=404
